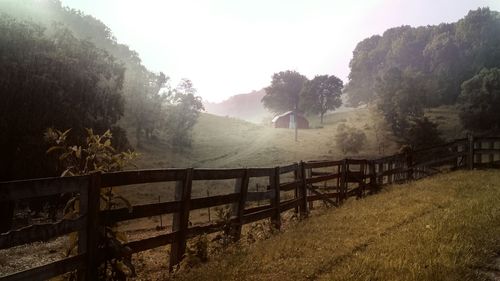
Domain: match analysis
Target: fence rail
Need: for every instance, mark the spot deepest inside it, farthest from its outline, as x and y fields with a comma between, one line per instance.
x=330, y=182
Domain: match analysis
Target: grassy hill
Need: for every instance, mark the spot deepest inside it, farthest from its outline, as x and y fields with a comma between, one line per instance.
x=230, y=142
x=225, y=142
x=440, y=228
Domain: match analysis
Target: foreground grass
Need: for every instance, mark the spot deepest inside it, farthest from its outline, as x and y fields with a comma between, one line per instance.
x=442, y=228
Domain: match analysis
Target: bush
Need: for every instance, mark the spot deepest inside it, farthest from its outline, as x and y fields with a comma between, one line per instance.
x=350, y=139
x=96, y=155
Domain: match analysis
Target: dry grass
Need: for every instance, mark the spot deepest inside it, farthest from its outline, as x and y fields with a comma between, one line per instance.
x=441, y=228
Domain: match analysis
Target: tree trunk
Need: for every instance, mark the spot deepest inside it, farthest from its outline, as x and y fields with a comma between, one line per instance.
x=321, y=122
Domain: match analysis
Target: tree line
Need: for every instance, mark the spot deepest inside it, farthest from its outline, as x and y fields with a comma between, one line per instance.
x=62, y=69
x=407, y=69
x=292, y=91
x=66, y=70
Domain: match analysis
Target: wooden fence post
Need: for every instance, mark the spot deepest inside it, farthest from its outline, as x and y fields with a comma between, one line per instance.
x=470, y=155
x=491, y=157
x=409, y=166
x=362, y=180
x=343, y=181
x=297, y=178
x=274, y=183
x=88, y=238
x=308, y=174
x=180, y=222
x=303, y=190
x=390, y=168
x=238, y=208
x=373, y=178
x=380, y=177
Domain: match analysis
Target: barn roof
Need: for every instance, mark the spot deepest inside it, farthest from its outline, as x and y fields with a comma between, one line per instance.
x=281, y=115
x=285, y=114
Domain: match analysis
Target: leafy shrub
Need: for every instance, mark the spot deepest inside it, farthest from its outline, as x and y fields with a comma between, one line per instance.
x=350, y=139
x=97, y=155
x=225, y=237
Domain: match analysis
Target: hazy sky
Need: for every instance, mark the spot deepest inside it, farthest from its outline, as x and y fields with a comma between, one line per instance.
x=228, y=47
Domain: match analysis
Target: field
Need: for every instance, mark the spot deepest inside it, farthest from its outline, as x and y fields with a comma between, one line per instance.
x=441, y=228
x=229, y=142
x=223, y=142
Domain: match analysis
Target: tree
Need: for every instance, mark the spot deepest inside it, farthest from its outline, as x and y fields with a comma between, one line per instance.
x=364, y=66
x=51, y=80
x=322, y=94
x=145, y=101
x=284, y=92
x=422, y=133
x=446, y=54
x=399, y=99
x=479, y=101
x=183, y=110
x=145, y=92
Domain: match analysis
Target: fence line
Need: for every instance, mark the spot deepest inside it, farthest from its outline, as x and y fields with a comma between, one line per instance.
x=331, y=182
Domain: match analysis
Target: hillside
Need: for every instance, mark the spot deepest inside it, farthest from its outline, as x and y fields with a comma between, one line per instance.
x=230, y=142
x=243, y=106
x=424, y=230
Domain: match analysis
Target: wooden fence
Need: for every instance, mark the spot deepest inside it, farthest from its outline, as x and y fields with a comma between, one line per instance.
x=330, y=182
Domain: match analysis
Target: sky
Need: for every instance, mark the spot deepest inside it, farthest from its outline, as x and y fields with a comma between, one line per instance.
x=229, y=47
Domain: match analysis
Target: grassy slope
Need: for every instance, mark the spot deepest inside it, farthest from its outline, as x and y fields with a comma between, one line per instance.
x=441, y=228
x=229, y=142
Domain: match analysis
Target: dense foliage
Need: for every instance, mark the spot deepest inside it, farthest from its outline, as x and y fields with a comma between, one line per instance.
x=349, y=139
x=445, y=55
x=407, y=70
x=145, y=92
x=284, y=92
x=292, y=91
x=480, y=101
x=51, y=80
x=97, y=154
x=183, y=110
x=321, y=94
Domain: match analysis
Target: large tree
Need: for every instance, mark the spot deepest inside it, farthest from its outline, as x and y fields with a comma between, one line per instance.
x=480, y=101
x=46, y=81
x=183, y=111
x=144, y=91
x=284, y=92
x=401, y=98
x=322, y=94
x=51, y=81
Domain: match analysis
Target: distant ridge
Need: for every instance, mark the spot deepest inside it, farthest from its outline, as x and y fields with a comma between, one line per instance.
x=244, y=106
